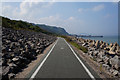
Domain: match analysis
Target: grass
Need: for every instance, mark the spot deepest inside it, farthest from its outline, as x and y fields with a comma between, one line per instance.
x=101, y=70
x=85, y=50
x=94, y=59
x=79, y=47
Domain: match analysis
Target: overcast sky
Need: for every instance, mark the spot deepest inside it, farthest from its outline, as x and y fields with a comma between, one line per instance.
x=95, y=18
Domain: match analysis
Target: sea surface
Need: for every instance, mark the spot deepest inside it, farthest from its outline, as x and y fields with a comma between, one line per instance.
x=107, y=39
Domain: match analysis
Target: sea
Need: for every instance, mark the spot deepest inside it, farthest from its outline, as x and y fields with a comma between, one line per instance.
x=107, y=39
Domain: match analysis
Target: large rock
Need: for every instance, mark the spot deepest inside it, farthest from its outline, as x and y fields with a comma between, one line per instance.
x=15, y=59
x=92, y=44
x=103, y=45
x=111, y=44
x=101, y=42
x=105, y=59
x=115, y=72
x=106, y=66
x=117, y=50
x=85, y=44
x=20, y=47
x=101, y=55
x=95, y=53
x=11, y=75
x=115, y=44
x=114, y=62
x=113, y=50
x=5, y=70
x=97, y=44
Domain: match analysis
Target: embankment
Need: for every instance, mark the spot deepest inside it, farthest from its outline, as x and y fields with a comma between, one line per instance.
x=19, y=48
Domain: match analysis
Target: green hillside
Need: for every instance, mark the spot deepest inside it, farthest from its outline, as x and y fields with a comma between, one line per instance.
x=19, y=25
x=56, y=30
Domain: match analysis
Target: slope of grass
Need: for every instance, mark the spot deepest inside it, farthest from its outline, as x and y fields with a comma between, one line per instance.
x=85, y=50
x=54, y=29
x=79, y=47
x=22, y=25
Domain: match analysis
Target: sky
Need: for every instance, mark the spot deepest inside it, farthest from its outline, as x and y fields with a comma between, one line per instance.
x=94, y=18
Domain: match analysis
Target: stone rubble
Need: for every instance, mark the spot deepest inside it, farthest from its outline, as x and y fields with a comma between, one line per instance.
x=103, y=53
x=19, y=48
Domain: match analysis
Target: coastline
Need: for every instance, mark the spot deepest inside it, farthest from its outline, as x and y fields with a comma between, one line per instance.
x=107, y=56
x=95, y=66
x=106, y=39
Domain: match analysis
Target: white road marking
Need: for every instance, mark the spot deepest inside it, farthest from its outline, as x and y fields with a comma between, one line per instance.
x=89, y=73
x=61, y=48
x=36, y=71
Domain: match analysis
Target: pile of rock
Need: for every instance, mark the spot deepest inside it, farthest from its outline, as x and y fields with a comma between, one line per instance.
x=19, y=48
x=0, y=52
x=107, y=55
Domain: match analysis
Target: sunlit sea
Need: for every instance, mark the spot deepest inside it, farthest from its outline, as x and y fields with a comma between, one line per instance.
x=107, y=39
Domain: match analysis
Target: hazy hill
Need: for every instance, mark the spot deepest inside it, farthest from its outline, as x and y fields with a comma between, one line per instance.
x=53, y=29
x=18, y=25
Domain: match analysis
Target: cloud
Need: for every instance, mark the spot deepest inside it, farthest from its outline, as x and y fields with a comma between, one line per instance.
x=80, y=9
x=95, y=8
x=107, y=16
x=42, y=13
x=71, y=18
x=50, y=20
x=57, y=20
x=26, y=7
x=61, y=0
x=25, y=10
x=98, y=7
x=7, y=10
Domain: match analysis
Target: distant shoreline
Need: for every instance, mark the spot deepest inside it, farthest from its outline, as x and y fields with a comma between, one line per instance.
x=107, y=39
x=90, y=36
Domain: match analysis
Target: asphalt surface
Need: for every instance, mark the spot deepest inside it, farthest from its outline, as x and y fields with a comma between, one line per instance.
x=62, y=63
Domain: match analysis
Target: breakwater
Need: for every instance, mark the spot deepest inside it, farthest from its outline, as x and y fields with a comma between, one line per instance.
x=19, y=48
x=106, y=55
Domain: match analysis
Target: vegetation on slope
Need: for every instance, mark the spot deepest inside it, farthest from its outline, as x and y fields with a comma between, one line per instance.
x=56, y=30
x=22, y=25
x=85, y=50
